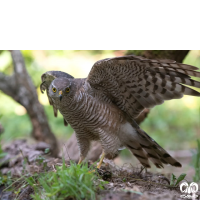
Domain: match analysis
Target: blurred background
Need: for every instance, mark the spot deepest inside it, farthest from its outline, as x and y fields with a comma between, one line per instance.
x=175, y=125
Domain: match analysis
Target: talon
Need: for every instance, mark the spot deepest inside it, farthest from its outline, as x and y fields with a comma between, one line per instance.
x=101, y=161
x=92, y=171
x=80, y=160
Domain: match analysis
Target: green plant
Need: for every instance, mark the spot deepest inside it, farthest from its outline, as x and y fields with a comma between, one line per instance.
x=75, y=181
x=175, y=181
x=47, y=150
x=196, y=163
x=2, y=153
x=6, y=179
x=72, y=181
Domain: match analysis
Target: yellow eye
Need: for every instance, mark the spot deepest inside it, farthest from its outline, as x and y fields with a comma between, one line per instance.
x=67, y=90
x=54, y=89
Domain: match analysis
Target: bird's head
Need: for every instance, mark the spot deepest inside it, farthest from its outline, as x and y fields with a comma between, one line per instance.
x=61, y=87
x=49, y=76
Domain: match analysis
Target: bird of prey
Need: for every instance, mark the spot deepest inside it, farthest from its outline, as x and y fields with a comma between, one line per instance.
x=47, y=78
x=104, y=105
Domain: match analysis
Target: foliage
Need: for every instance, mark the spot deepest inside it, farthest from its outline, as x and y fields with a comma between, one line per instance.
x=75, y=181
x=196, y=163
x=5, y=179
x=174, y=121
x=2, y=153
x=175, y=181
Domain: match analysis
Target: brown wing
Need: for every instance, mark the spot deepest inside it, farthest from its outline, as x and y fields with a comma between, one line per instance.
x=47, y=78
x=134, y=83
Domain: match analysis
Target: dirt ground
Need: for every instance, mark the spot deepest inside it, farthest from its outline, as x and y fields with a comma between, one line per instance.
x=125, y=182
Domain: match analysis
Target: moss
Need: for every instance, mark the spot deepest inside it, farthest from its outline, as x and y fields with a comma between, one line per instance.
x=135, y=52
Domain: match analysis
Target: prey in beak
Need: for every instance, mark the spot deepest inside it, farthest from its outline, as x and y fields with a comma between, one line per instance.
x=60, y=95
x=42, y=86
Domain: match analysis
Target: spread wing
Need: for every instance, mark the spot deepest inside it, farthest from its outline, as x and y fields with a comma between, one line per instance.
x=47, y=78
x=134, y=83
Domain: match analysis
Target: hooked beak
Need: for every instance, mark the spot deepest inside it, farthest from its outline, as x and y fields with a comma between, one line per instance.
x=60, y=95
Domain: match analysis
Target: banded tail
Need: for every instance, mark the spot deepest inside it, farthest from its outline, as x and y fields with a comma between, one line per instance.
x=144, y=148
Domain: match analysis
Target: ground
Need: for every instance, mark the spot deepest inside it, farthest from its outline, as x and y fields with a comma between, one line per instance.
x=126, y=182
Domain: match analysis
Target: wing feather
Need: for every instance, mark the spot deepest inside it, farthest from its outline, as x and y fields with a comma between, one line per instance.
x=134, y=83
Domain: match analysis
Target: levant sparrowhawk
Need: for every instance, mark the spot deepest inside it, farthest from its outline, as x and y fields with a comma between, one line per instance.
x=103, y=106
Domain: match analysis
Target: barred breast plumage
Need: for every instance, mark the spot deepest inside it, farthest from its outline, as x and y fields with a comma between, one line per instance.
x=91, y=119
x=103, y=106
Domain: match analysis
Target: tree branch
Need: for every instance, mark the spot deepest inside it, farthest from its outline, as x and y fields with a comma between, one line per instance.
x=6, y=83
x=20, y=87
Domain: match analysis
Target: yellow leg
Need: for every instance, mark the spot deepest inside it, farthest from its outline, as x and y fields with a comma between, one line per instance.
x=101, y=160
x=80, y=160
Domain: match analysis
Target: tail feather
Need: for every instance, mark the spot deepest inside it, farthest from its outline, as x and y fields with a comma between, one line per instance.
x=154, y=157
x=144, y=148
x=139, y=153
x=150, y=146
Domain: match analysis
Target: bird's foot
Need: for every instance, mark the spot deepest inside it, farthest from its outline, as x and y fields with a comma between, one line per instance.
x=100, y=163
x=80, y=160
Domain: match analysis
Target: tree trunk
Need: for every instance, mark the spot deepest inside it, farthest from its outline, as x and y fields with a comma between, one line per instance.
x=20, y=87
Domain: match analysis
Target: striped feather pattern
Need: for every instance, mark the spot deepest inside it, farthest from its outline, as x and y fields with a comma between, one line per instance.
x=135, y=83
x=103, y=106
